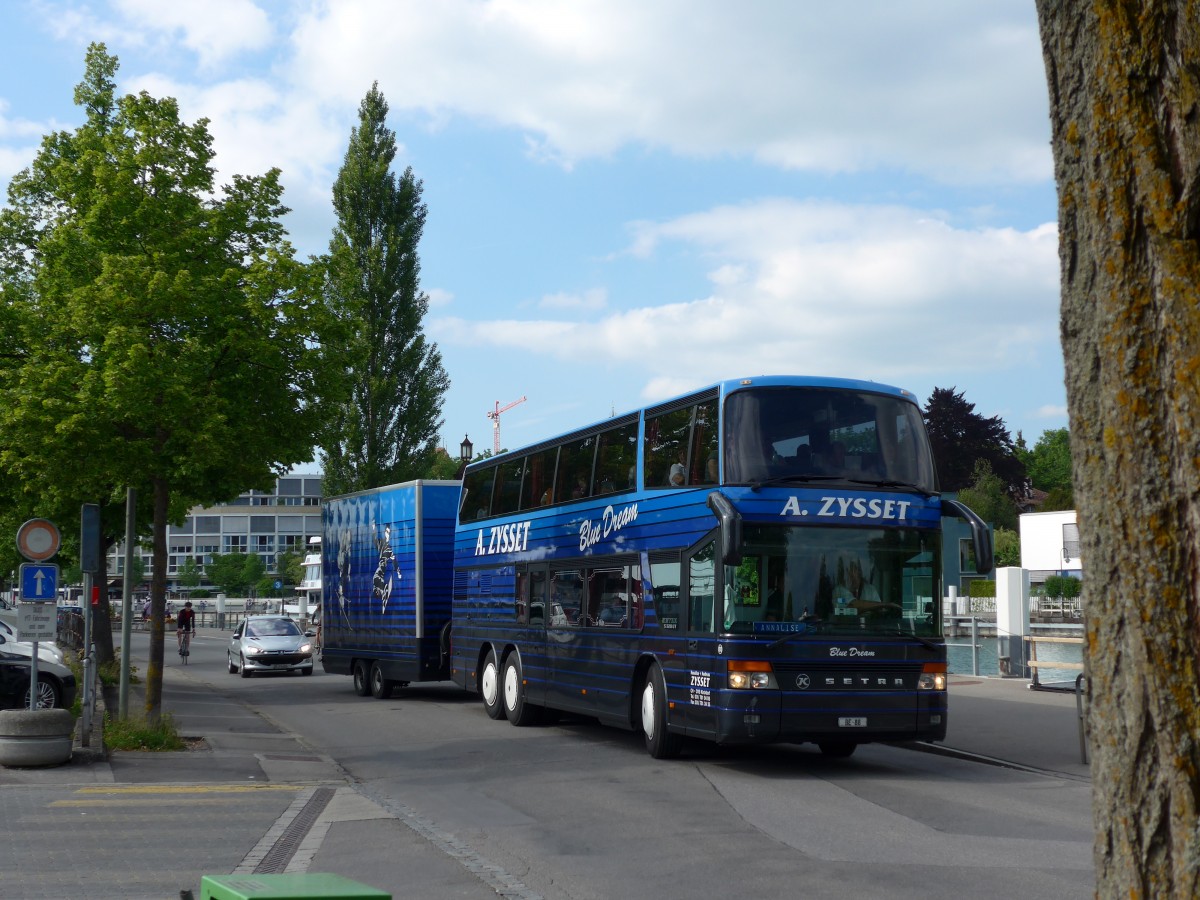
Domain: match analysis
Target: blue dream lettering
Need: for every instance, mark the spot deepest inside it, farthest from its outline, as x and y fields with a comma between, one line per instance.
x=591, y=533
x=852, y=508
x=510, y=538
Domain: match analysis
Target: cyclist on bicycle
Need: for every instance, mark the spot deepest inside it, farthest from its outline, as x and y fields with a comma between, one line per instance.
x=185, y=624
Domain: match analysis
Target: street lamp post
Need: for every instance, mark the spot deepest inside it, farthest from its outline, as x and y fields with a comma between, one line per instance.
x=464, y=454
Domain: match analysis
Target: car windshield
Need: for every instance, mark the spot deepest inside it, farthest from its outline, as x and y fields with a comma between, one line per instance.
x=272, y=628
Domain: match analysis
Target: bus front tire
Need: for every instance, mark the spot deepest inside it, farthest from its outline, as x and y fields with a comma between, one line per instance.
x=661, y=742
x=362, y=680
x=489, y=687
x=516, y=709
x=381, y=688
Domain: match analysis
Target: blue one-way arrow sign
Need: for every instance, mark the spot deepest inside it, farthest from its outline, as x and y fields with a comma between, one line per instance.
x=39, y=581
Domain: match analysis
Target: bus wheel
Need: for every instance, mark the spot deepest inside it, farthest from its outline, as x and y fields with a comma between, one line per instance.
x=489, y=687
x=661, y=743
x=837, y=749
x=381, y=688
x=362, y=681
x=518, y=711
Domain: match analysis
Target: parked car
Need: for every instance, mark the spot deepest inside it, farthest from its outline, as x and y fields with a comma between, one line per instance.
x=270, y=644
x=47, y=652
x=55, y=685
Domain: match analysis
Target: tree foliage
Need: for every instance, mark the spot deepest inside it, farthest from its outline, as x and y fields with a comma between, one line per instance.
x=387, y=431
x=1048, y=465
x=961, y=437
x=988, y=496
x=1007, y=547
x=159, y=332
x=235, y=573
x=1124, y=101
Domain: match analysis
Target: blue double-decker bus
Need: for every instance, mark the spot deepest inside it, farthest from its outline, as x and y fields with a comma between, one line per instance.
x=757, y=561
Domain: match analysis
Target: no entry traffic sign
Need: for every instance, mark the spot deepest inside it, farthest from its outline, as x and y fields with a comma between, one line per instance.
x=38, y=539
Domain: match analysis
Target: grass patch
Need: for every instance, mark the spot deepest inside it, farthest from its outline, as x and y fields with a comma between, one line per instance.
x=137, y=734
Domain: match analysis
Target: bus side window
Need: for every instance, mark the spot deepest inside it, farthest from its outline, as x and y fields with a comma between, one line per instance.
x=664, y=578
x=702, y=574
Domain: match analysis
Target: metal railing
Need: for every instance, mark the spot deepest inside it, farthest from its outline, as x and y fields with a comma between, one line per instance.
x=974, y=645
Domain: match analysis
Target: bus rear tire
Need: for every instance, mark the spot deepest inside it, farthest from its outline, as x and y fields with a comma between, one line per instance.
x=362, y=680
x=661, y=742
x=837, y=749
x=381, y=688
x=489, y=687
x=516, y=709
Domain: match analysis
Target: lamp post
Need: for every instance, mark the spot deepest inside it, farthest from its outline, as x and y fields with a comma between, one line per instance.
x=464, y=454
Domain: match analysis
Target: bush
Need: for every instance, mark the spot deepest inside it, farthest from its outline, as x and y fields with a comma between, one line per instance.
x=982, y=587
x=137, y=734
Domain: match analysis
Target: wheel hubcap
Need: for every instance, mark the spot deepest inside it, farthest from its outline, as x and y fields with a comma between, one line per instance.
x=510, y=687
x=648, y=710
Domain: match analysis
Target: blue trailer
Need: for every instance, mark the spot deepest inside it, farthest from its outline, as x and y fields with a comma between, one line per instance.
x=388, y=572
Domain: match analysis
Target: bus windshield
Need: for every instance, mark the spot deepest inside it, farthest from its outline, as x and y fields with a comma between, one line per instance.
x=795, y=434
x=835, y=581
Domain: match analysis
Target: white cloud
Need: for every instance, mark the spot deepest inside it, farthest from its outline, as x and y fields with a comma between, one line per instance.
x=951, y=90
x=886, y=293
x=213, y=29
x=596, y=298
x=1051, y=412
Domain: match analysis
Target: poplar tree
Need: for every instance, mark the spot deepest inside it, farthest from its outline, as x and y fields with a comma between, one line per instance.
x=388, y=430
x=1125, y=120
x=158, y=332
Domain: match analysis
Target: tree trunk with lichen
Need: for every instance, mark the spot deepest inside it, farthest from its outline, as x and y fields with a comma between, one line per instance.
x=1124, y=81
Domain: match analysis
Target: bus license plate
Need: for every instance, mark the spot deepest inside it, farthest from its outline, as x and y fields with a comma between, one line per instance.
x=852, y=722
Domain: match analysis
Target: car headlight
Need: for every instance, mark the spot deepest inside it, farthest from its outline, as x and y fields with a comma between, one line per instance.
x=306, y=648
x=933, y=677
x=253, y=650
x=750, y=674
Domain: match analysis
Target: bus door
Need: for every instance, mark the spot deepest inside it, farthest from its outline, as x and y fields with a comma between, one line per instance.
x=705, y=667
x=532, y=612
x=566, y=624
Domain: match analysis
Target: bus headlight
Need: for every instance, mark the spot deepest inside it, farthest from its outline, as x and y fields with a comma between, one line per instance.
x=750, y=675
x=933, y=677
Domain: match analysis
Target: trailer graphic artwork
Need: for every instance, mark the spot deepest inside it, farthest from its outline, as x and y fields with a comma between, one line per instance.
x=385, y=572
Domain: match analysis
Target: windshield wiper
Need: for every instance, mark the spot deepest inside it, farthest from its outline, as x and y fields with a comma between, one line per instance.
x=873, y=482
x=792, y=479
x=916, y=637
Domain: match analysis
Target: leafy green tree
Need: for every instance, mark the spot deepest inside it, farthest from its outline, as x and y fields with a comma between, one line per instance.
x=145, y=306
x=1048, y=464
x=290, y=567
x=960, y=437
x=388, y=429
x=988, y=496
x=230, y=572
x=189, y=573
x=1007, y=547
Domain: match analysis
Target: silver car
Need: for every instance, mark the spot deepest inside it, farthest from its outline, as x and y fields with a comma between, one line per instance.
x=270, y=644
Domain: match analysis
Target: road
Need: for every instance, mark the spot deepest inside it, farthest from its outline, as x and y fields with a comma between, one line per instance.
x=427, y=797
x=579, y=810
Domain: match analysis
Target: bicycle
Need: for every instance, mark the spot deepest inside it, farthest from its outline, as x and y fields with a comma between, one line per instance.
x=185, y=645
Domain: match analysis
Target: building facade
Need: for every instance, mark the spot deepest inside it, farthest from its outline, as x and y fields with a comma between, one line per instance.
x=267, y=523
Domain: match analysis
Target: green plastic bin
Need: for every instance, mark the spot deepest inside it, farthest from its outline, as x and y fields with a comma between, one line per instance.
x=300, y=886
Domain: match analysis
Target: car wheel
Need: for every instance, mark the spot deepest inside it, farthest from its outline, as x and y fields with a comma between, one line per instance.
x=516, y=709
x=489, y=687
x=232, y=664
x=49, y=694
x=362, y=682
x=381, y=688
x=307, y=671
x=242, y=670
x=661, y=743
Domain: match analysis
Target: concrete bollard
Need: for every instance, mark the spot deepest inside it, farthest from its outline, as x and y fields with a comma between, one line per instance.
x=35, y=737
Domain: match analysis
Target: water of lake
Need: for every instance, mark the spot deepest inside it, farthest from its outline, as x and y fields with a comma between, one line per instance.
x=958, y=653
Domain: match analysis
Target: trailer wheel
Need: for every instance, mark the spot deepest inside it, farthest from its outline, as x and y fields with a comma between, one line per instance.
x=362, y=681
x=489, y=687
x=381, y=688
x=518, y=711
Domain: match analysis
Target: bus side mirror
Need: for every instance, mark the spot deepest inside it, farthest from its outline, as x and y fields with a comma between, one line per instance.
x=731, y=528
x=980, y=536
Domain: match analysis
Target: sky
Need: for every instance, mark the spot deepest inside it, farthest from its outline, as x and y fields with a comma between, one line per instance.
x=629, y=199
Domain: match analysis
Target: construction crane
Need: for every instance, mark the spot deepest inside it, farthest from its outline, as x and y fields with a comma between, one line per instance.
x=494, y=415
